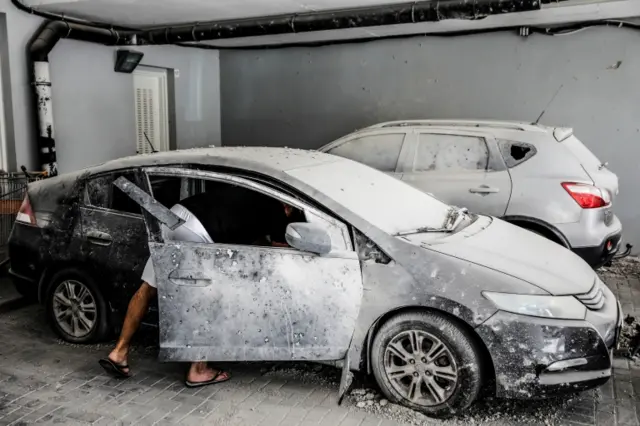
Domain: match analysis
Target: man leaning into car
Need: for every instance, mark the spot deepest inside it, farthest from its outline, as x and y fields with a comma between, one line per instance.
x=228, y=218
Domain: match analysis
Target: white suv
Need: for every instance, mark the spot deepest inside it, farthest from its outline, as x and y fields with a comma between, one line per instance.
x=540, y=178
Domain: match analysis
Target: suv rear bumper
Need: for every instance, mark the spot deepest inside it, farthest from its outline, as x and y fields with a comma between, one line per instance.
x=602, y=254
x=596, y=237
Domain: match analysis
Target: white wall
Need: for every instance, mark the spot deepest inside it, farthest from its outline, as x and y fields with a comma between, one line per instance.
x=306, y=97
x=93, y=105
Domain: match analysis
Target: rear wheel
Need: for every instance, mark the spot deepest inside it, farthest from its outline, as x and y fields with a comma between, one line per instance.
x=427, y=362
x=76, y=308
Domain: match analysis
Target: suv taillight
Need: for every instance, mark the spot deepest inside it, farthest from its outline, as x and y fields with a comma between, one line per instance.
x=25, y=214
x=587, y=196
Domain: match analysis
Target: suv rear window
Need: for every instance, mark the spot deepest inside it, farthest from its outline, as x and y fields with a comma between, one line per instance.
x=378, y=151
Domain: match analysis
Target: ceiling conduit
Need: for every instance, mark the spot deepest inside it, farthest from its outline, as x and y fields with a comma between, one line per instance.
x=72, y=28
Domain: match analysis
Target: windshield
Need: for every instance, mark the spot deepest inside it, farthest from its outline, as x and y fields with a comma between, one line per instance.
x=384, y=201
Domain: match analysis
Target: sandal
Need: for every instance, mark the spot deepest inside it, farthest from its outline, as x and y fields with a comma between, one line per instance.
x=114, y=369
x=213, y=381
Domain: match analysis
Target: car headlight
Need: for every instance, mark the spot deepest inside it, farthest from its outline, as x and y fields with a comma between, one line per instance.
x=560, y=307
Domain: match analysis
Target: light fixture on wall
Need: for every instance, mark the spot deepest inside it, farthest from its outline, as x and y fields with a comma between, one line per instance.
x=127, y=60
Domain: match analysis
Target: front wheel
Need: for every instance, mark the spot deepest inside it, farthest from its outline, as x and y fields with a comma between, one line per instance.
x=427, y=362
x=76, y=307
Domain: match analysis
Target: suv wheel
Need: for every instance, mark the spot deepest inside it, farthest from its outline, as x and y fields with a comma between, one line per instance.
x=427, y=362
x=76, y=308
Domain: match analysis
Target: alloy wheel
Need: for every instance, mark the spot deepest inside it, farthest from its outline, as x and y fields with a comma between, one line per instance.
x=420, y=367
x=74, y=308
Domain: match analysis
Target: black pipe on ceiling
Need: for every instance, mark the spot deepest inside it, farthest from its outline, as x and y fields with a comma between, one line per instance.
x=406, y=13
x=61, y=17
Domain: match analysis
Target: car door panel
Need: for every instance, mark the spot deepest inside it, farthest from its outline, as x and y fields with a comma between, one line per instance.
x=114, y=245
x=486, y=190
x=237, y=303
x=248, y=303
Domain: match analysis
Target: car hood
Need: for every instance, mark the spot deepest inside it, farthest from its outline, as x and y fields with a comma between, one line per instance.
x=498, y=245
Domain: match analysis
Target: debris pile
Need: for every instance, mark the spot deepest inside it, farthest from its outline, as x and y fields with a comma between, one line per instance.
x=487, y=411
x=307, y=373
x=372, y=401
x=622, y=275
x=629, y=267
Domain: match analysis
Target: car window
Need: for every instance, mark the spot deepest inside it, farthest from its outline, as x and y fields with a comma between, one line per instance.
x=101, y=193
x=439, y=152
x=515, y=153
x=378, y=151
x=202, y=195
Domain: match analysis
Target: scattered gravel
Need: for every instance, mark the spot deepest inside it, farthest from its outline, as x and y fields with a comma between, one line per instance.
x=627, y=267
x=324, y=377
x=489, y=411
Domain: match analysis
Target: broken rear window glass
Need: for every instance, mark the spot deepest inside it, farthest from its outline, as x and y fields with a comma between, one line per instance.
x=378, y=151
x=438, y=152
x=515, y=153
x=101, y=193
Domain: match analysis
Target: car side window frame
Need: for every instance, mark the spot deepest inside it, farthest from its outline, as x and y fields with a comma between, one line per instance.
x=312, y=214
x=379, y=132
x=495, y=161
x=87, y=199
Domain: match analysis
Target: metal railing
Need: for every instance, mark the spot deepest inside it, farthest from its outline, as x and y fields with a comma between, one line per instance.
x=13, y=188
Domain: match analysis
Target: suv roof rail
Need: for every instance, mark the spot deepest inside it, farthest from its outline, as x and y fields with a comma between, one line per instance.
x=495, y=124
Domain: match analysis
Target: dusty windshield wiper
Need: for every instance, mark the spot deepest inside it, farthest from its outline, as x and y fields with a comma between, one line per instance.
x=455, y=218
x=422, y=231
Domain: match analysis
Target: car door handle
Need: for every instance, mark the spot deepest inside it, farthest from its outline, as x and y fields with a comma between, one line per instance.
x=190, y=278
x=484, y=189
x=99, y=238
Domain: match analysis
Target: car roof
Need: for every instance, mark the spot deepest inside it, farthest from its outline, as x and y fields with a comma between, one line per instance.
x=262, y=159
x=495, y=125
x=500, y=129
x=278, y=159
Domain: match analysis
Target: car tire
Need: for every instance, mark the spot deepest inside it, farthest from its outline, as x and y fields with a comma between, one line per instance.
x=400, y=380
x=76, y=308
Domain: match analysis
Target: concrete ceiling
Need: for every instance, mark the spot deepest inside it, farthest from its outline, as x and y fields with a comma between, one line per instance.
x=153, y=13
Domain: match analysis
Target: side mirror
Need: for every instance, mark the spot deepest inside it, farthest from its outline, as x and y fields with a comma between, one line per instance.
x=308, y=237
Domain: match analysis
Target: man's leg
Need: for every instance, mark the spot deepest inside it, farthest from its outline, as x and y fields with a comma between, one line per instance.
x=200, y=373
x=135, y=312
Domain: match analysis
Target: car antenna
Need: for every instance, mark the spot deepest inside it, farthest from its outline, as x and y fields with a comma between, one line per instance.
x=548, y=105
x=150, y=144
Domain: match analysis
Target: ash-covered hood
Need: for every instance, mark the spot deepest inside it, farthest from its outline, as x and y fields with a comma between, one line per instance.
x=498, y=245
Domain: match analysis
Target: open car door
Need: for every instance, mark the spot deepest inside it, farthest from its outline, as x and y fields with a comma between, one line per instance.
x=222, y=302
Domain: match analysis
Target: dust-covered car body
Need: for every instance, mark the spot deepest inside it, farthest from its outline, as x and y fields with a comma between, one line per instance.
x=509, y=307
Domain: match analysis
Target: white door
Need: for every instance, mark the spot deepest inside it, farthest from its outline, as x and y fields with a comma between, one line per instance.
x=152, y=118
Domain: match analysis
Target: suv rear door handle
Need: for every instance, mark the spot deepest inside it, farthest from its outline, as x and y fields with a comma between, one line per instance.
x=484, y=189
x=99, y=238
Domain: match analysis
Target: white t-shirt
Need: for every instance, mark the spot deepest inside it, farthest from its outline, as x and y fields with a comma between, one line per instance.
x=191, y=231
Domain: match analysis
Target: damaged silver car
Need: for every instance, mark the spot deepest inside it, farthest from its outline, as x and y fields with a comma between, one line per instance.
x=436, y=303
